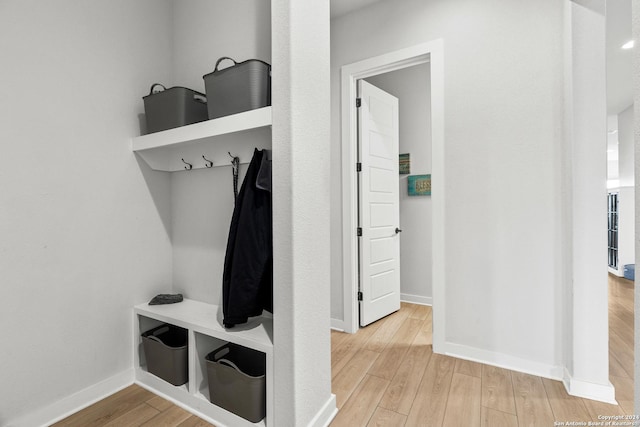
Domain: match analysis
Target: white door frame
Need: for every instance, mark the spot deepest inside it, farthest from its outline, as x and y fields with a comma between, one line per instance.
x=431, y=52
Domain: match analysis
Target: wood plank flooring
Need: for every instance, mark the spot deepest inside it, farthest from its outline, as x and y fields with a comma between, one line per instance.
x=133, y=406
x=388, y=375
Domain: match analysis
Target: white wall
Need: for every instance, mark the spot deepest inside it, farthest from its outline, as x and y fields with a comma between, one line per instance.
x=626, y=231
x=206, y=30
x=411, y=87
x=612, y=147
x=202, y=200
x=84, y=225
x=625, y=147
x=201, y=209
x=503, y=132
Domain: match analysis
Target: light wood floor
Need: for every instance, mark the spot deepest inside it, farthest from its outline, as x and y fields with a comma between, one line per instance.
x=133, y=407
x=388, y=375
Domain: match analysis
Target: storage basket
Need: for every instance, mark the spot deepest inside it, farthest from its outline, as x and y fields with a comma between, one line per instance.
x=173, y=107
x=236, y=378
x=166, y=353
x=244, y=86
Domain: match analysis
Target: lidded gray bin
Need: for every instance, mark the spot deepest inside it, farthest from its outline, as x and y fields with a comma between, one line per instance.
x=243, y=86
x=166, y=353
x=236, y=376
x=173, y=107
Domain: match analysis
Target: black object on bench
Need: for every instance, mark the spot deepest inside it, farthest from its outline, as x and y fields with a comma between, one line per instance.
x=166, y=299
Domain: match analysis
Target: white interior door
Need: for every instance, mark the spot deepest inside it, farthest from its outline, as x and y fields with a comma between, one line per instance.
x=379, y=204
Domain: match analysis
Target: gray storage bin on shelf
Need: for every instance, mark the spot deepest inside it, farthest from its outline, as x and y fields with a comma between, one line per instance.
x=244, y=86
x=236, y=376
x=173, y=107
x=166, y=353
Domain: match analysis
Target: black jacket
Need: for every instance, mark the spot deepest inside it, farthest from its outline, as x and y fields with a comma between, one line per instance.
x=247, y=283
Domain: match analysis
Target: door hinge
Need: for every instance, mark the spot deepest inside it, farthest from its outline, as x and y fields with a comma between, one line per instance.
x=358, y=167
x=358, y=102
x=359, y=231
x=359, y=296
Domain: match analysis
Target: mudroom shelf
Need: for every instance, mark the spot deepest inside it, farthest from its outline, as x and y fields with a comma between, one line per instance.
x=206, y=144
x=207, y=319
x=205, y=333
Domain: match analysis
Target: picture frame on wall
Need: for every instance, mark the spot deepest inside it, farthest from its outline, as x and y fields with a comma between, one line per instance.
x=404, y=166
x=419, y=185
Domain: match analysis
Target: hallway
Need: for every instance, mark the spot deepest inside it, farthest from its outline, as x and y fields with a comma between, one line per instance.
x=388, y=375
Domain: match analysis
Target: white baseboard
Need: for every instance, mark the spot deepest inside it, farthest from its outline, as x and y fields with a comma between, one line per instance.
x=75, y=402
x=616, y=272
x=326, y=414
x=337, y=324
x=601, y=392
x=416, y=299
x=503, y=361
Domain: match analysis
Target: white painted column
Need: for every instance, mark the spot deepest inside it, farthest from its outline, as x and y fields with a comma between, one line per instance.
x=587, y=373
x=301, y=127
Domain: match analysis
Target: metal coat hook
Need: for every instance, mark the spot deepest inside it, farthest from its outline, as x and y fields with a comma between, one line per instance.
x=235, y=160
x=208, y=163
x=188, y=166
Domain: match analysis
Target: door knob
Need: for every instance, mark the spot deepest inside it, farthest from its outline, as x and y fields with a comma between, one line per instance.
x=398, y=230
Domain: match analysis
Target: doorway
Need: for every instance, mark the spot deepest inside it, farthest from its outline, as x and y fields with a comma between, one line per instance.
x=427, y=53
x=378, y=203
x=411, y=87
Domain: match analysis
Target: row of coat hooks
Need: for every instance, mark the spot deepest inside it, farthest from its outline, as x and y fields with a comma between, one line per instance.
x=208, y=163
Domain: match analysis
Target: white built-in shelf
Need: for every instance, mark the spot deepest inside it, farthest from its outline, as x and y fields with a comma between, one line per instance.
x=238, y=133
x=206, y=319
x=205, y=332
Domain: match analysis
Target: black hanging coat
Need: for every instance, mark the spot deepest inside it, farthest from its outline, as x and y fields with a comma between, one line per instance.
x=247, y=283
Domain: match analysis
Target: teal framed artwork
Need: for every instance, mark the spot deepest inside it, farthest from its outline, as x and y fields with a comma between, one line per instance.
x=419, y=185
